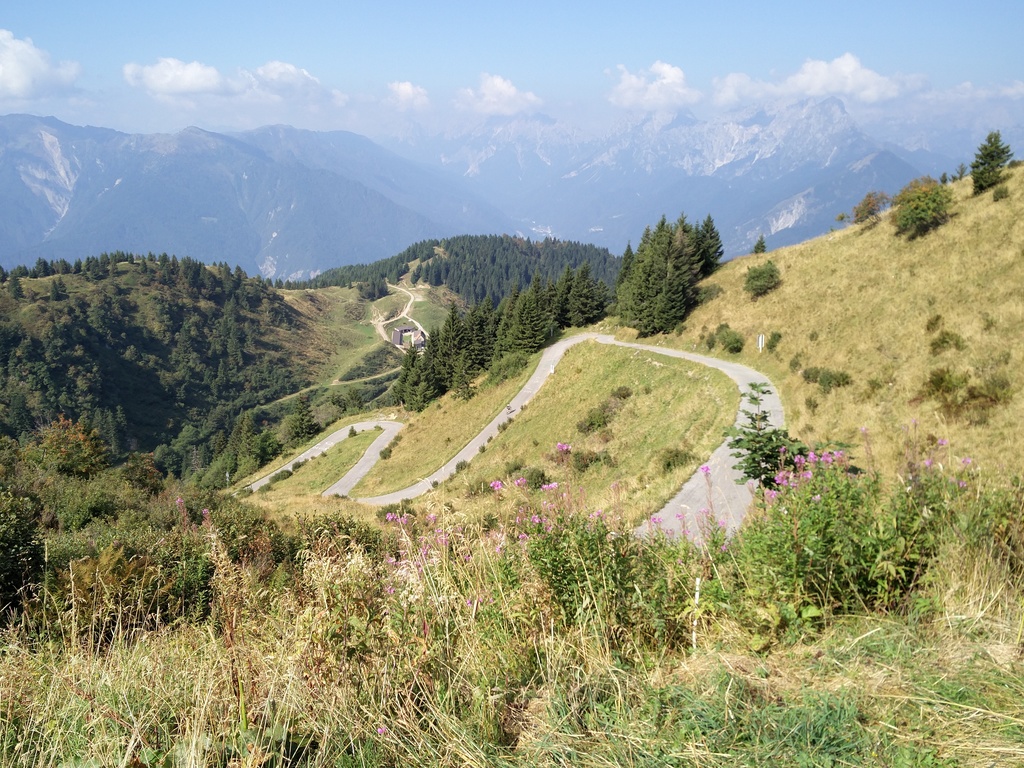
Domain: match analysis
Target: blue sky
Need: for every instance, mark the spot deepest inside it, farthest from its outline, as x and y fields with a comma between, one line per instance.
x=363, y=66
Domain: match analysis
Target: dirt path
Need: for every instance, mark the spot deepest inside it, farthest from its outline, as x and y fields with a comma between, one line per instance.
x=716, y=491
x=378, y=320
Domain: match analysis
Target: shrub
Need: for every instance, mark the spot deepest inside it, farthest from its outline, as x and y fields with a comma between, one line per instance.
x=583, y=460
x=870, y=208
x=507, y=366
x=1000, y=193
x=762, y=450
x=773, y=341
x=921, y=206
x=622, y=393
x=670, y=458
x=535, y=477
x=22, y=549
x=762, y=280
x=709, y=292
x=947, y=340
x=730, y=340
x=596, y=418
x=461, y=465
x=277, y=477
x=826, y=378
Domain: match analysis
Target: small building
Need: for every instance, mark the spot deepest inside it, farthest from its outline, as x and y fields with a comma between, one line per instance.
x=398, y=334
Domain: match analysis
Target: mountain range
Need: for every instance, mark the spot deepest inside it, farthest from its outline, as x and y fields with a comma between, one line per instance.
x=289, y=203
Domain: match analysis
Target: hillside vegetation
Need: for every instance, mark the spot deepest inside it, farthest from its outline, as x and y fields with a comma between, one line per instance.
x=928, y=331
x=869, y=612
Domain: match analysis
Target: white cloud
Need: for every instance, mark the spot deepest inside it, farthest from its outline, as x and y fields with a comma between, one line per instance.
x=282, y=77
x=497, y=96
x=26, y=72
x=408, y=96
x=843, y=76
x=1014, y=90
x=173, y=77
x=662, y=87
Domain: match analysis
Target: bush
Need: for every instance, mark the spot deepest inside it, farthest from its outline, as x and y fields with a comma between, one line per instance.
x=730, y=340
x=773, y=341
x=670, y=458
x=708, y=293
x=762, y=280
x=535, y=477
x=763, y=450
x=22, y=560
x=870, y=208
x=826, y=378
x=507, y=366
x=921, y=206
x=583, y=460
x=596, y=418
x=1000, y=193
x=947, y=340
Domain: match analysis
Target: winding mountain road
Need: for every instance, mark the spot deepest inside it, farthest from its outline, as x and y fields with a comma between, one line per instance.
x=717, y=491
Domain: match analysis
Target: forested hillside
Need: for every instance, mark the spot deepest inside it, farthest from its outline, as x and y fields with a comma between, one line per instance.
x=156, y=353
x=476, y=266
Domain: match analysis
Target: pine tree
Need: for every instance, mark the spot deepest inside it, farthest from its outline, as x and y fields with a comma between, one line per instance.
x=451, y=343
x=987, y=168
x=709, y=247
x=14, y=287
x=302, y=424
x=760, y=246
x=586, y=298
x=681, y=274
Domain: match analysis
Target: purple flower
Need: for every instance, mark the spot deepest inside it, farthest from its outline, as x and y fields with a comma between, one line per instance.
x=943, y=442
x=563, y=447
x=549, y=487
x=705, y=470
x=966, y=461
x=520, y=482
x=497, y=485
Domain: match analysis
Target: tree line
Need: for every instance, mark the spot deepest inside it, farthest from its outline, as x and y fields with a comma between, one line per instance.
x=657, y=286
x=498, y=339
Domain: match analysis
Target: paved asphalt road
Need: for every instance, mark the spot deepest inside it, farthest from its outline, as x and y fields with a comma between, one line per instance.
x=717, y=491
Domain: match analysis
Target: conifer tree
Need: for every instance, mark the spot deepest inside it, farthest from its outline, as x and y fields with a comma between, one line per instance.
x=709, y=246
x=992, y=156
x=450, y=344
x=586, y=300
x=760, y=246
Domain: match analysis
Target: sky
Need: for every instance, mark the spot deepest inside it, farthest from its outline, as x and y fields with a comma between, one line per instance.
x=369, y=66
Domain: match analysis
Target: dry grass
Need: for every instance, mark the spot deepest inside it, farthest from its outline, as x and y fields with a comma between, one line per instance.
x=438, y=433
x=673, y=405
x=860, y=299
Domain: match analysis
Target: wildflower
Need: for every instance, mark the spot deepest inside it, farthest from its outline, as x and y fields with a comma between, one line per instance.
x=520, y=482
x=705, y=470
x=928, y=463
x=943, y=442
x=549, y=487
x=563, y=447
x=966, y=461
x=382, y=730
x=497, y=485
x=655, y=520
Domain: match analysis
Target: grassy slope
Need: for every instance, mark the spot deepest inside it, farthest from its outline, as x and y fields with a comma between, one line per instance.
x=939, y=688
x=868, y=296
x=674, y=405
